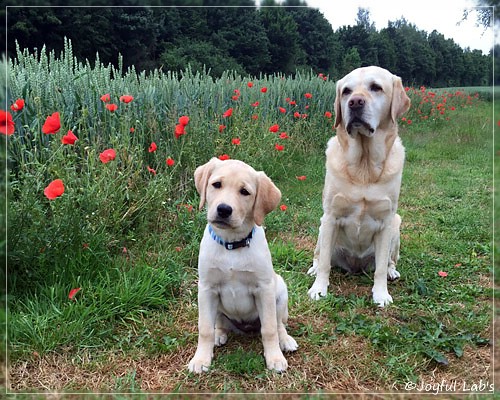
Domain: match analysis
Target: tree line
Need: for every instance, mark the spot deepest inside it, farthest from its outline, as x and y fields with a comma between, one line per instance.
x=236, y=35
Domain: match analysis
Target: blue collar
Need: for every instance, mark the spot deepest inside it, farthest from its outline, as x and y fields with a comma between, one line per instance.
x=231, y=245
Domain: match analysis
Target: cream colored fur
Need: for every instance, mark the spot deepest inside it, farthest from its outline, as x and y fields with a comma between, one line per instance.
x=238, y=287
x=364, y=165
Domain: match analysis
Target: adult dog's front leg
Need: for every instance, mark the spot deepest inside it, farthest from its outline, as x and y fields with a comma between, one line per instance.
x=266, y=306
x=382, y=241
x=326, y=240
x=207, y=311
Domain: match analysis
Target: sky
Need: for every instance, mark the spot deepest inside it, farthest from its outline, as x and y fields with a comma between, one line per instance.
x=427, y=15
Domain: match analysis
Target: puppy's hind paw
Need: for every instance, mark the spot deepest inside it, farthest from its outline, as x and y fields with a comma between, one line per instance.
x=314, y=269
x=220, y=337
x=288, y=344
x=392, y=274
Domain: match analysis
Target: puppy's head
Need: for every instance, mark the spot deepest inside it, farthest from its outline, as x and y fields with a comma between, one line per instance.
x=236, y=194
x=369, y=99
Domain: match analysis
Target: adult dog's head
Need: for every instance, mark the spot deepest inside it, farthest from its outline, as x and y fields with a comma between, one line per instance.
x=369, y=99
x=237, y=196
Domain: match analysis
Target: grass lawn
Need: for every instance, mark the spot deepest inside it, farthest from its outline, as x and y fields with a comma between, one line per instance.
x=132, y=328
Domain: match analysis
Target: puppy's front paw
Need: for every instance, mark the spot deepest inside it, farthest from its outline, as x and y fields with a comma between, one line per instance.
x=199, y=365
x=318, y=290
x=381, y=297
x=288, y=344
x=277, y=363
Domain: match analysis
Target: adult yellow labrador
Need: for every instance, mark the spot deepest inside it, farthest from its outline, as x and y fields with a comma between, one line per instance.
x=364, y=164
x=238, y=289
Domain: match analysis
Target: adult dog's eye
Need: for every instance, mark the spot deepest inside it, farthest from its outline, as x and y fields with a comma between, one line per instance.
x=245, y=192
x=217, y=185
x=375, y=88
x=346, y=91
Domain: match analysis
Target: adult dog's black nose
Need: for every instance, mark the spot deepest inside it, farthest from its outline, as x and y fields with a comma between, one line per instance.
x=356, y=102
x=224, y=210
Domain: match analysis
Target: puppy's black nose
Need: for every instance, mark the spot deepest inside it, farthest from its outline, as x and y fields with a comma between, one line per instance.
x=224, y=210
x=356, y=102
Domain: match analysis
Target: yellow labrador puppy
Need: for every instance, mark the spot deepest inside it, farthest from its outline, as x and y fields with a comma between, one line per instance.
x=238, y=289
x=364, y=163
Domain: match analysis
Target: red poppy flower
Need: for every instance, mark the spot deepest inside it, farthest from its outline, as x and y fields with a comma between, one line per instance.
x=179, y=131
x=236, y=141
x=224, y=157
x=170, y=162
x=293, y=103
x=288, y=99
x=263, y=90
x=107, y=156
x=256, y=104
x=221, y=128
x=7, y=125
x=111, y=107
x=308, y=95
x=250, y=84
x=184, y=120
x=54, y=189
x=296, y=114
x=228, y=113
x=283, y=207
x=69, y=138
x=255, y=117
x=301, y=178
x=284, y=135
x=443, y=273
x=235, y=97
x=328, y=114
x=126, y=98
x=282, y=110
x=52, y=124
x=72, y=293
x=152, y=147
x=274, y=128
x=279, y=147
x=132, y=130
x=106, y=98
x=237, y=92
x=153, y=171
x=18, y=105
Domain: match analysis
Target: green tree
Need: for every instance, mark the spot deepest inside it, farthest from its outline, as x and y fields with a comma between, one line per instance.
x=316, y=39
x=351, y=60
x=283, y=36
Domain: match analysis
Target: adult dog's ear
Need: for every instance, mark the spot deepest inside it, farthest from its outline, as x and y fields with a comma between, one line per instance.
x=267, y=198
x=201, y=177
x=400, y=101
x=337, y=105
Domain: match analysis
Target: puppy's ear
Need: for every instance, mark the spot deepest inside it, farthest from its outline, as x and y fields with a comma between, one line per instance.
x=400, y=101
x=267, y=199
x=337, y=106
x=201, y=176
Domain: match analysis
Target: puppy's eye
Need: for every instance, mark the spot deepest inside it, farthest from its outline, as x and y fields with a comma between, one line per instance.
x=375, y=88
x=346, y=91
x=245, y=192
x=217, y=185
